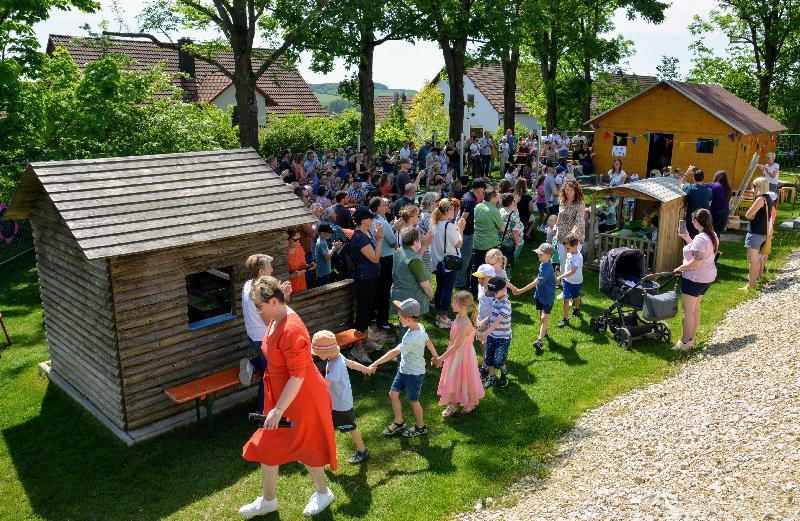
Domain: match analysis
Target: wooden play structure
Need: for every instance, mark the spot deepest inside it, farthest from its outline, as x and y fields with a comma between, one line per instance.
x=680, y=124
x=141, y=267
x=660, y=197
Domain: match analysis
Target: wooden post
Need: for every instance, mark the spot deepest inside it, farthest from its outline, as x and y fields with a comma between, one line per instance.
x=592, y=220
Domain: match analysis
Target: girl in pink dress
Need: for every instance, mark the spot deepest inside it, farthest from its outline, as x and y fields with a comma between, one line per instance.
x=460, y=382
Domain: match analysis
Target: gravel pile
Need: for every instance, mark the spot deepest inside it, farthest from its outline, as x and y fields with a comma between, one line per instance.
x=720, y=440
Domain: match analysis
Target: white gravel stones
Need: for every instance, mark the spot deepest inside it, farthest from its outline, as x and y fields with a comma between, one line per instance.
x=718, y=441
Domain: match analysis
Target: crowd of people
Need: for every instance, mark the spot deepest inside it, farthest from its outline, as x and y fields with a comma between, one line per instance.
x=393, y=231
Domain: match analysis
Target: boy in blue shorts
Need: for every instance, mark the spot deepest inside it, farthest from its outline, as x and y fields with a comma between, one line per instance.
x=572, y=279
x=545, y=295
x=498, y=333
x=411, y=372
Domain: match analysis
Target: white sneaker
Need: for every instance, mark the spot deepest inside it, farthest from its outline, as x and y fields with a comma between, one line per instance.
x=318, y=502
x=258, y=507
x=680, y=346
x=245, y=372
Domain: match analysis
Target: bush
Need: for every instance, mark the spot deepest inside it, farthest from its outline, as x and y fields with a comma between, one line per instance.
x=296, y=132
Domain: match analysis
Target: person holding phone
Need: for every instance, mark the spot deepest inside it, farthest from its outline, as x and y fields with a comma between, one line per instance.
x=697, y=272
x=296, y=390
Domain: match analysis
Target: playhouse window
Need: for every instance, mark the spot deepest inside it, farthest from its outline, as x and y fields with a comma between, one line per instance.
x=210, y=296
x=470, y=100
x=705, y=146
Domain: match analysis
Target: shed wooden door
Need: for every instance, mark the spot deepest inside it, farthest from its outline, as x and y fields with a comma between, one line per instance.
x=659, y=152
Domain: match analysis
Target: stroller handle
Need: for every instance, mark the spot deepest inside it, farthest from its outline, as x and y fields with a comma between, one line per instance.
x=654, y=276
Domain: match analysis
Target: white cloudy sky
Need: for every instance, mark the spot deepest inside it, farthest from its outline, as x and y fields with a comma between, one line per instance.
x=408, y=65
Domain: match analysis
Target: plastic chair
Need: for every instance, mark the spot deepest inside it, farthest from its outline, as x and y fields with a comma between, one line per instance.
x=5, y=331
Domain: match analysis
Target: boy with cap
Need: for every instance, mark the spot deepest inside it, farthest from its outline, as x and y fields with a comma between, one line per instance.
x=324, y=346
x=323, y=253
x=498, y=334
x=484, y=308
x=545, y=284
x=411, y=372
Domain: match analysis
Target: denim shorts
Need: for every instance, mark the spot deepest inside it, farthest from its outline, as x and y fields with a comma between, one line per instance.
x=754, y=240
x=344, y=421
x=692, y=288
x=496, y=351
x=410, y=383
x=541, y=307
x=571, y=290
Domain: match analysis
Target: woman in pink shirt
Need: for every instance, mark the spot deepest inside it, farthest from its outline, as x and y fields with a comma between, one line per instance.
x=697, y=273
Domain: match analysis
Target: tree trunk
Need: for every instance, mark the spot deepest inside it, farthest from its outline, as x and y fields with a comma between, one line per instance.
x=766, y=77
x=245, y=84
x=454, y=52
x=366, y=97
x=586, y=112
x=510, y=65
x=549, y=82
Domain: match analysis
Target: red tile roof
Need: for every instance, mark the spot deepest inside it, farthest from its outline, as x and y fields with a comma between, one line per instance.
x=489, y=80
x=384, y=103
x=283, y=87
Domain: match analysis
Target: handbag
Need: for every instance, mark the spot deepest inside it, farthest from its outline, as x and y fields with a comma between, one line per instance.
x=450, y=262
x=508, y=251
x=660, y=306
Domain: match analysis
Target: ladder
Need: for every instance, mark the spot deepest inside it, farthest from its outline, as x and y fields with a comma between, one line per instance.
x=737, y=198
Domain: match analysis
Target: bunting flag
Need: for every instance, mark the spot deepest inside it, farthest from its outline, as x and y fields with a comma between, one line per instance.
x=791, y=154
x=731, y=136
x=646, y=136
x=607, y=134
x=716, y=142
x=655, y=137
x=682, y=144
x=633, y=140
x=596, y=124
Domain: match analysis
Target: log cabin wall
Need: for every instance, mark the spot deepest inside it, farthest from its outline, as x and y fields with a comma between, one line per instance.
x=157, y=349
x=328, y=307
x=78, y=313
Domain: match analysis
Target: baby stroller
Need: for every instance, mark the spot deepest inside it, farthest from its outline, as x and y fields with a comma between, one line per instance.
x=622, y=278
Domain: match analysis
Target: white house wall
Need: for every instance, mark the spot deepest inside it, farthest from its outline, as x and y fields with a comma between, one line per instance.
x=483, y=114
x=228, y=98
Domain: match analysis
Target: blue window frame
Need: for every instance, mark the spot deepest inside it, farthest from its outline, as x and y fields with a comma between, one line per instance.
x=210, y=297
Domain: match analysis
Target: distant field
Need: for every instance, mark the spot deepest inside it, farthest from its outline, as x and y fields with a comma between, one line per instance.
x=327, y=93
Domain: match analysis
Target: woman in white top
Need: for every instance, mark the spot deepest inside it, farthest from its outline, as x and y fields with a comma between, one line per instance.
x=427, y=204
x=617, y=175
x=447, y=239
x=771, y=171
x=258, y=265
x=503, y=154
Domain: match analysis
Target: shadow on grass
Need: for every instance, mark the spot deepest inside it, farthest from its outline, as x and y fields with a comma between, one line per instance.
x=72, y=467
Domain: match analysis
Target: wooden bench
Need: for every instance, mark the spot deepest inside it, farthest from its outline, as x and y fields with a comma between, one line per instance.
x=203, y=389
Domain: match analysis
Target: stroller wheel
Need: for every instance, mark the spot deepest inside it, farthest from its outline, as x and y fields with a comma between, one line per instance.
x=623, y=337
x=666, y=333
x=598, y=324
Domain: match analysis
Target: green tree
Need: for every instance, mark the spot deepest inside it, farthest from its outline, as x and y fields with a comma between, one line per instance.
x=668, y=68
x=765, y=33
x=427, y=114
x=236, y=22
x=352, y=31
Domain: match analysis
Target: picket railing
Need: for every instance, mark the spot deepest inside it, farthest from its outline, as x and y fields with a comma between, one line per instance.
x=609, y=242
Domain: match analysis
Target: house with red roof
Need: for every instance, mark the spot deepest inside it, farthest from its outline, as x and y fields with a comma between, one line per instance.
x=280, y=90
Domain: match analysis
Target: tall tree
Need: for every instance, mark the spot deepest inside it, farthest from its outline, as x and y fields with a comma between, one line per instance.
x=548, y=41
x=770, y=29
x=452, y=24
x=237, y=22
x=352, y=31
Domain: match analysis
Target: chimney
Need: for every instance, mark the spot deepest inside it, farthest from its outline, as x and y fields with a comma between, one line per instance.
x=404, y=96
x=186, y=67
x=396, y=97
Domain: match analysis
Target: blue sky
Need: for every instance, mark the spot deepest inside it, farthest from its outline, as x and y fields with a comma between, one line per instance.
x=408, y=65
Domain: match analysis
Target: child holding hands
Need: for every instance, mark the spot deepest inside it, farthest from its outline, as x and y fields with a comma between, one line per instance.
x=498, y=334
x=545, y=284
x=411, y=372
x=324, y=346
x=572, y=279
x=484, y=310
x=460, y=382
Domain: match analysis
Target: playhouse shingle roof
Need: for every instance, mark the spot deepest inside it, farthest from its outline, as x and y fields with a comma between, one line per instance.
x=662, y=189
x=282, y=86
x=124, y=205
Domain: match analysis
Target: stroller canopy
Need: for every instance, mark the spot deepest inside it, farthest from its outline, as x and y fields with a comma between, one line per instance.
x=625, y=263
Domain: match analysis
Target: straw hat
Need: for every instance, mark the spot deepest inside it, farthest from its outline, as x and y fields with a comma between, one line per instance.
x=323, y=344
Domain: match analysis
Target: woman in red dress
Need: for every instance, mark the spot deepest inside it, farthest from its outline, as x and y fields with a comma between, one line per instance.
x=296, y=390
x=296, y=260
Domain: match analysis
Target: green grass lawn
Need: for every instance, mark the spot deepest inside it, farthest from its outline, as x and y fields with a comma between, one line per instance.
x=58, y=462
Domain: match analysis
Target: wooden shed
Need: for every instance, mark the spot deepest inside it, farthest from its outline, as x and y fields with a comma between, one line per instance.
x=662, y=197
x=141, y=267
x=680, y=124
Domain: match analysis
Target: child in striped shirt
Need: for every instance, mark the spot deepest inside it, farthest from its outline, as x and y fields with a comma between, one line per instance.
x=498, y=333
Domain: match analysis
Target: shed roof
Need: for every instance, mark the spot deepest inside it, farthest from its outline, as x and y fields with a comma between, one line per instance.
x=282, y=86
x=732, y=110
x=661, y=189
x=124, y=205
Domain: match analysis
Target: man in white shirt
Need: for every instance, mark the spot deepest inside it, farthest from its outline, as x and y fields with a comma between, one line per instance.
x=405, y=152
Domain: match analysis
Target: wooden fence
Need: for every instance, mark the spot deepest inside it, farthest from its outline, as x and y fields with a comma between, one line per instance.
x=609, y=242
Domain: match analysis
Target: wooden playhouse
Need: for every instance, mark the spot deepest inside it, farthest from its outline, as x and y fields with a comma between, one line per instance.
x=680, y=124
x=661, y=201
x=141, y=267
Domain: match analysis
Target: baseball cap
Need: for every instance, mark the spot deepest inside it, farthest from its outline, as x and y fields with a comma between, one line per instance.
x=408, y=307
x=361, y=213
x=325, y=228
x=609, y=198
x=324, y=345
x=496, y=284
x=545, y=249
x=484, y=270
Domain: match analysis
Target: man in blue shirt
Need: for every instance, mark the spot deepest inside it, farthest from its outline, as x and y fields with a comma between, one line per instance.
x=698, y=196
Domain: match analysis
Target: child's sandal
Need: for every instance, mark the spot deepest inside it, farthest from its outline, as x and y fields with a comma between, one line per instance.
x=451, y=410
x=394, y=429
x=467, y=410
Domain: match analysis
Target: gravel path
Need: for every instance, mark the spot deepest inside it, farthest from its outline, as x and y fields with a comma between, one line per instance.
x=720, y=440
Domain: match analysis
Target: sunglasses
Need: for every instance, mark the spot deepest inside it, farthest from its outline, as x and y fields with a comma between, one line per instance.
x=295, y=239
